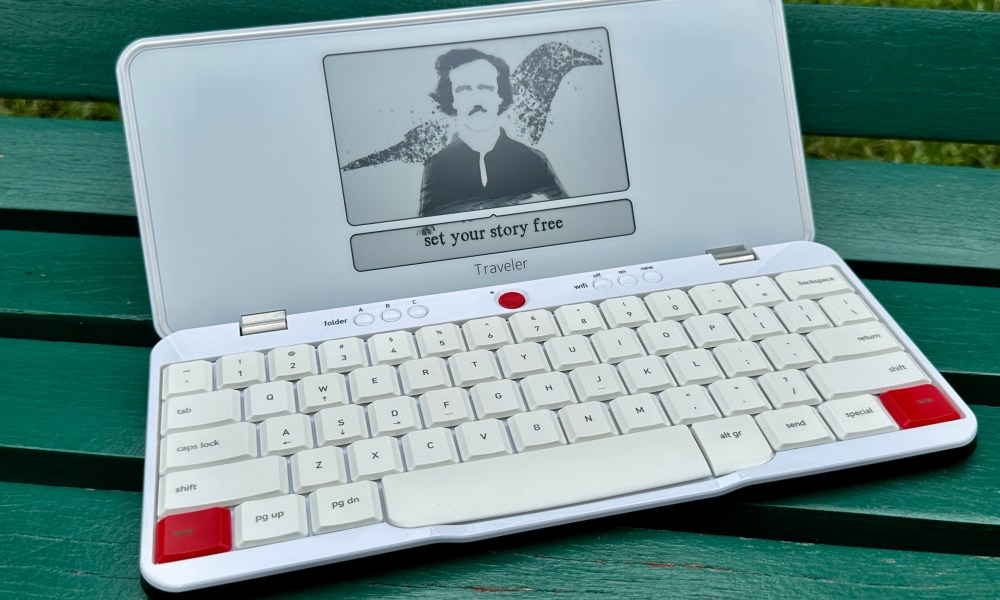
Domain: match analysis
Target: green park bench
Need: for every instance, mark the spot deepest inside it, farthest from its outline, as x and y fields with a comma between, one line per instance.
x=75, y=334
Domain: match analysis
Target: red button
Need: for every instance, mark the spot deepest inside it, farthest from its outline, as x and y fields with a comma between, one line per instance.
x=511, y=300
x=918, y=406
x=193, y=534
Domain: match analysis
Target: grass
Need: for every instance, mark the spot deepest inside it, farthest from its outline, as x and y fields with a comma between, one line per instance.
x=881, y=150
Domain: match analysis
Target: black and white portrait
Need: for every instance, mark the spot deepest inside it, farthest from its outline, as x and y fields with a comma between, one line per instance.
x=441, y=130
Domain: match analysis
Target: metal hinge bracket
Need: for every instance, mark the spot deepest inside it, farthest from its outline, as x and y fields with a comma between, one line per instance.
x=732, y=254
x=263, y=322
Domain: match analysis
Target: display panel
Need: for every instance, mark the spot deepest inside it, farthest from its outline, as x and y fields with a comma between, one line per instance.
x=451, y=129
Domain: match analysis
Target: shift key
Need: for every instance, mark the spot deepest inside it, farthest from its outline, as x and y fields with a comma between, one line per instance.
x=222, y=485
x=870, y=375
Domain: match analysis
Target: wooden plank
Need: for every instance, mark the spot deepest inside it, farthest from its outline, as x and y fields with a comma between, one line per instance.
x=75, y=414
x=907, y=214
x=64, y=165
x=73, y=287
x=73, y=542
x=859, y=71
x=896, y=73
x=83, y=424
x=48, y=182
x=92, y=288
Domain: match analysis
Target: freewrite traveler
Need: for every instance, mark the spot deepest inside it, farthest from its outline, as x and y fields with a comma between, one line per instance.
x=451, y=275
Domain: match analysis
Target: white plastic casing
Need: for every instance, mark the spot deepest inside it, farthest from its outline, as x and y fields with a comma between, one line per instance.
x=211, y=342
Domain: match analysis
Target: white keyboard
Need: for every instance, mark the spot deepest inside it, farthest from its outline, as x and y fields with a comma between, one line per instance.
x=503, y=419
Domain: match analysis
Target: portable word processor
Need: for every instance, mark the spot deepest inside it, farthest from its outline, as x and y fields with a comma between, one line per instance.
x=446, y=276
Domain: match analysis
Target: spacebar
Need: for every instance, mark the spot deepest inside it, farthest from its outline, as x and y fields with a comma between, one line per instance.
x=541, y=479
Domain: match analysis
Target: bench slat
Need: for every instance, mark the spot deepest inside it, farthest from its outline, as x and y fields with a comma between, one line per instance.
x=99, y=530
x=859, y=71
x=48, y=172
x=55, y=431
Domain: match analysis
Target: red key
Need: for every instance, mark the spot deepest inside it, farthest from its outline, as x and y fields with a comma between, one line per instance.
x=193, y=534
x=511, y=300
x=918, y=406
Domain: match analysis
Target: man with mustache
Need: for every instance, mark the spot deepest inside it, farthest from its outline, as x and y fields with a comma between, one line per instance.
x=481, y=167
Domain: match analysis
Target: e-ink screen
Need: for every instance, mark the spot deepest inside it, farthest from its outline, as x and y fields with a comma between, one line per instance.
x=464, y=131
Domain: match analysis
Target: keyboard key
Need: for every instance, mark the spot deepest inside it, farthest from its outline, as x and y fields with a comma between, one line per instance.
x=374, y=383
x=714, y=298
x=758, y=291
x=322, y=391
x=738, y=396
x=445, y=408
x=616, y=345
x=429, y=448
x=638, y=412
x=533, y=326
x=586, y=421
x=535, y=430
x=795, y=427
x=342, y=356
x=546, y=478
x=341, y=425
x=788, y=388
x=579, y=319
x=470, y=368
x=271, y=520
x=496, y=399
x=393, y=416
x=670, y=305
x=423, y=375
x=853, y=341
x=689, y=404
x=801, y=316
x=292, y=362
x=222, y=485
x=345, y=506
x=645, y=374
x=664, y=337
x=628, y=311
x=392, y=348
x=440, y=340
x=482, y=439
x=870, y=375
x=521, y=360
x=193, y=534
x=487, y=334
x=732, y=444
x=240, y=370
x=192, y=377
x=742, y=359
x=212, y=446
x=790, y=351
x=856, y=416
x=548, y=390
x=316, y=468
x=374, y=458
x=846, y=309
x=813, y=283
x=918, y=406
x=708, y=331
x=756, y=323
x=694, y=367
x=596, y=382
x=183, y=413
x=570, y=352
x=285, y=435
x=265, y=400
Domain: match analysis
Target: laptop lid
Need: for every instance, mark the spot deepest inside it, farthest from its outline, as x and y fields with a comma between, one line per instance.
x=344, y=163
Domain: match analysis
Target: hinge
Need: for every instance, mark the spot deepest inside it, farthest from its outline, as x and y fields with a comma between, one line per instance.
x=732, y=254
x=263, y=322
